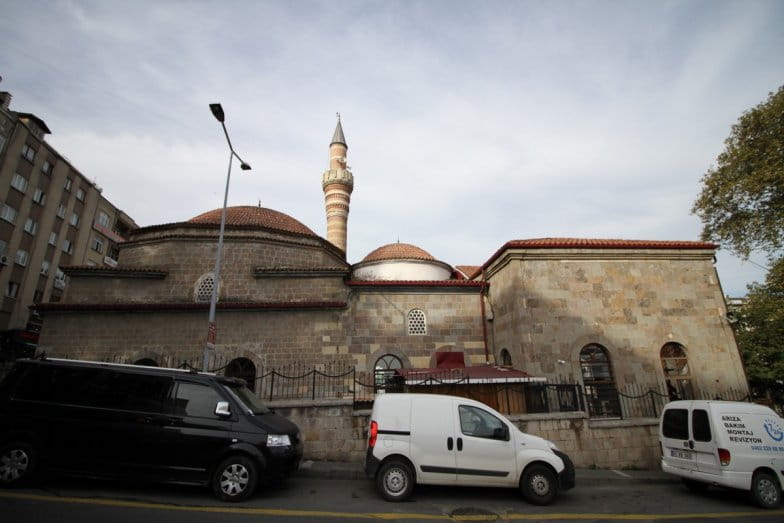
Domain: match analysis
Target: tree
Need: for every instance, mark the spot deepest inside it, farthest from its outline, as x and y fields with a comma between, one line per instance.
x=741, y=204
x=760, y=330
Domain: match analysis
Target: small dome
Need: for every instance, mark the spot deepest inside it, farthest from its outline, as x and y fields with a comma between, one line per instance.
x=398, y=251
x=250, y=216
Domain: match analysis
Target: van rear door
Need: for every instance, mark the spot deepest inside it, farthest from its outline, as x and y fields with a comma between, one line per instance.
x=676, y=450
x=433, y=441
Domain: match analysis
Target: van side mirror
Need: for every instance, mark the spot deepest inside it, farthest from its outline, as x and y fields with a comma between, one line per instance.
x=501, y=433
x=223, y=409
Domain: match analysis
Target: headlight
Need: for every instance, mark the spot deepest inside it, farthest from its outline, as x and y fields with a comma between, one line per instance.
x=278, y=440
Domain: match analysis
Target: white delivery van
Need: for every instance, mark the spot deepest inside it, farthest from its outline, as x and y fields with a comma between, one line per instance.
x=448, y=440
x=727, y=443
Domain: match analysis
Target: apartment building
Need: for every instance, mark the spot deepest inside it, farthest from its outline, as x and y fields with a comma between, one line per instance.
x=51, y=216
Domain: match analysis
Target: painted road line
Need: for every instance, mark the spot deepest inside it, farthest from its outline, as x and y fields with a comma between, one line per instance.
x=388, y=515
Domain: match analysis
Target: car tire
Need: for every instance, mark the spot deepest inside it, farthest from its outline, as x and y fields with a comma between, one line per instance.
x=765, y=490
x=539, y=485
x=235, y=478
x=395, y=480
x=695, y=486
x=18, y=462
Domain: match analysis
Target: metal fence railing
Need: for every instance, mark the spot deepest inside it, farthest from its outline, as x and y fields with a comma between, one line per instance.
x=337, y=381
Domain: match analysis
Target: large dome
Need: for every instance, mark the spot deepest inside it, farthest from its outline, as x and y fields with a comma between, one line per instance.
x=398, y=251
x=401, y=262
x=250, y=216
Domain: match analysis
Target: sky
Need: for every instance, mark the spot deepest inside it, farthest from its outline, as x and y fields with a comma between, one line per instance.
x=469, y=124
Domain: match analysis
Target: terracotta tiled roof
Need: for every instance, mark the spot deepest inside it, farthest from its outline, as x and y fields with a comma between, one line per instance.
x=398, y=251
x=466, y=375
x=415, y=283
x=188, y=306
x=248, y=215
x=468, y=270
x=595, y=243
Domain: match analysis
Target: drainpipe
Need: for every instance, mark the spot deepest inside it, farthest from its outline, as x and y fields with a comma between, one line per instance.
x=484, y=319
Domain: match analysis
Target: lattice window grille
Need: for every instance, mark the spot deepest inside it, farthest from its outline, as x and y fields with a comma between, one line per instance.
x=417, y=324
x=204, y=289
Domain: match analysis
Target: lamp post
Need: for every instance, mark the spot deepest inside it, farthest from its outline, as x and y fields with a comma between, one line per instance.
x=212, y=331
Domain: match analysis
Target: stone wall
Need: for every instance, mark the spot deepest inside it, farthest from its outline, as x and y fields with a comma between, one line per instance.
x=333, y=431
x=547, y=307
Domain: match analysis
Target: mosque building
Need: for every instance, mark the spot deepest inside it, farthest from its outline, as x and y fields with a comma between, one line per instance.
x=587, y=311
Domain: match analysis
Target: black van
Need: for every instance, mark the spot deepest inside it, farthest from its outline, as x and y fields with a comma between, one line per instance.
x=141, y=423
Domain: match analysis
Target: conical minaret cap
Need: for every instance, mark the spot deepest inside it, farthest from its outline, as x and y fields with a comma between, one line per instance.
x=338, y=137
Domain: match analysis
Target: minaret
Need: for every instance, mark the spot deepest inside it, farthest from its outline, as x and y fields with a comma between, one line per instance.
x=337, y=182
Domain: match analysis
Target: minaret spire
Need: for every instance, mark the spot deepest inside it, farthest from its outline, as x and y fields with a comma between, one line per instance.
x=337, y=183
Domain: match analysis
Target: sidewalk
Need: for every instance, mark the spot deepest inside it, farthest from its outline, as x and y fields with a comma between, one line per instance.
x=344, y=470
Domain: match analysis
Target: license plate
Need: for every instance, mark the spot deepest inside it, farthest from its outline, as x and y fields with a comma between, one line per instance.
x=682, y=454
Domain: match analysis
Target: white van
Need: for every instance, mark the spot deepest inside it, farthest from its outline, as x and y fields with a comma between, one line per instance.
x=447, y=440
x=727, y=443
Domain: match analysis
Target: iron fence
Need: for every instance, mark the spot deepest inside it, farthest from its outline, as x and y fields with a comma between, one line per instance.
x=336, y=381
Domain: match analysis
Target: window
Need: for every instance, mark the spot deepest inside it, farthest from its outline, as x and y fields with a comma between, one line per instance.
x=19, y=182
x=39, y=197
x=53, y=239
x=38, y=296
x=506, y=358
x=599, y=383
x=45, y=267
x=103, y=219
x=59, y=280
x=21, y=257
x=8, y=213
x=481, y=424
x=244, y=369
x=675, y=424
x=384, y=370
x=28, y=153
x=68, y=246
x=46, y=168
x=700, y=425
x=74, y=219
x=97, y=245
x=676, y=371
x=417, y=324
x=31, y=226
x=196, y=400
x=68, y=184
x=204, y=288
x=12, y=289
x=80, y=194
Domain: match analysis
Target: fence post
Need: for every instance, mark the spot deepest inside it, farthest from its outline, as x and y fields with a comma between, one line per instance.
x=313, y=396
x=272, y=383
x=653, y=403
x=354, y=385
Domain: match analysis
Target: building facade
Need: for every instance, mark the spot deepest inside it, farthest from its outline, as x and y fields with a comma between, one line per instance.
x=597, y=312
x=50, y=216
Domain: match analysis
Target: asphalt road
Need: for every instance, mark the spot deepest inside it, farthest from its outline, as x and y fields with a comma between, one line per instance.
x=306, y=499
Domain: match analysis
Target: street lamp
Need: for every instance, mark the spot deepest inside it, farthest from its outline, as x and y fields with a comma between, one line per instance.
x=212, y=331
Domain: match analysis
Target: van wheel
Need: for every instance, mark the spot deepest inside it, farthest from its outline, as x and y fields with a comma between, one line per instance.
x=395, y=480
x=235, y=478
x=17, y=464
x=539, y=485
x=695, y=486
x=765, y=490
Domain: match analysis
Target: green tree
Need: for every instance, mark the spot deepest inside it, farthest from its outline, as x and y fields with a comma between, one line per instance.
x=760, y=328
x=741, y=204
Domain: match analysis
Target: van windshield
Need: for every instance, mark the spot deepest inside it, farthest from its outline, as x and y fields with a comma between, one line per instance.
x=244, y=396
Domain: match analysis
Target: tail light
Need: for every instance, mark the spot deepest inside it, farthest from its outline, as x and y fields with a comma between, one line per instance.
x=724, y=457
x=373, y=434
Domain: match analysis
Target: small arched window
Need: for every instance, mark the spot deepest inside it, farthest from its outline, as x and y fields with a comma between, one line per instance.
x=384, y=370
x=506, y=358
x=204, y=288
x=244, y=369
x=599, y=383
x=417, y=323
x=676, y=371
x=147, y=362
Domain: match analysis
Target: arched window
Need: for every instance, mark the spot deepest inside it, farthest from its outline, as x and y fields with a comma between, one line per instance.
x=506, y=358
x=417, y=323
x=676, y=371
x=384, y=370
x=147, y=362
x=244, y=369
x=204, y=288
x=600, y=390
